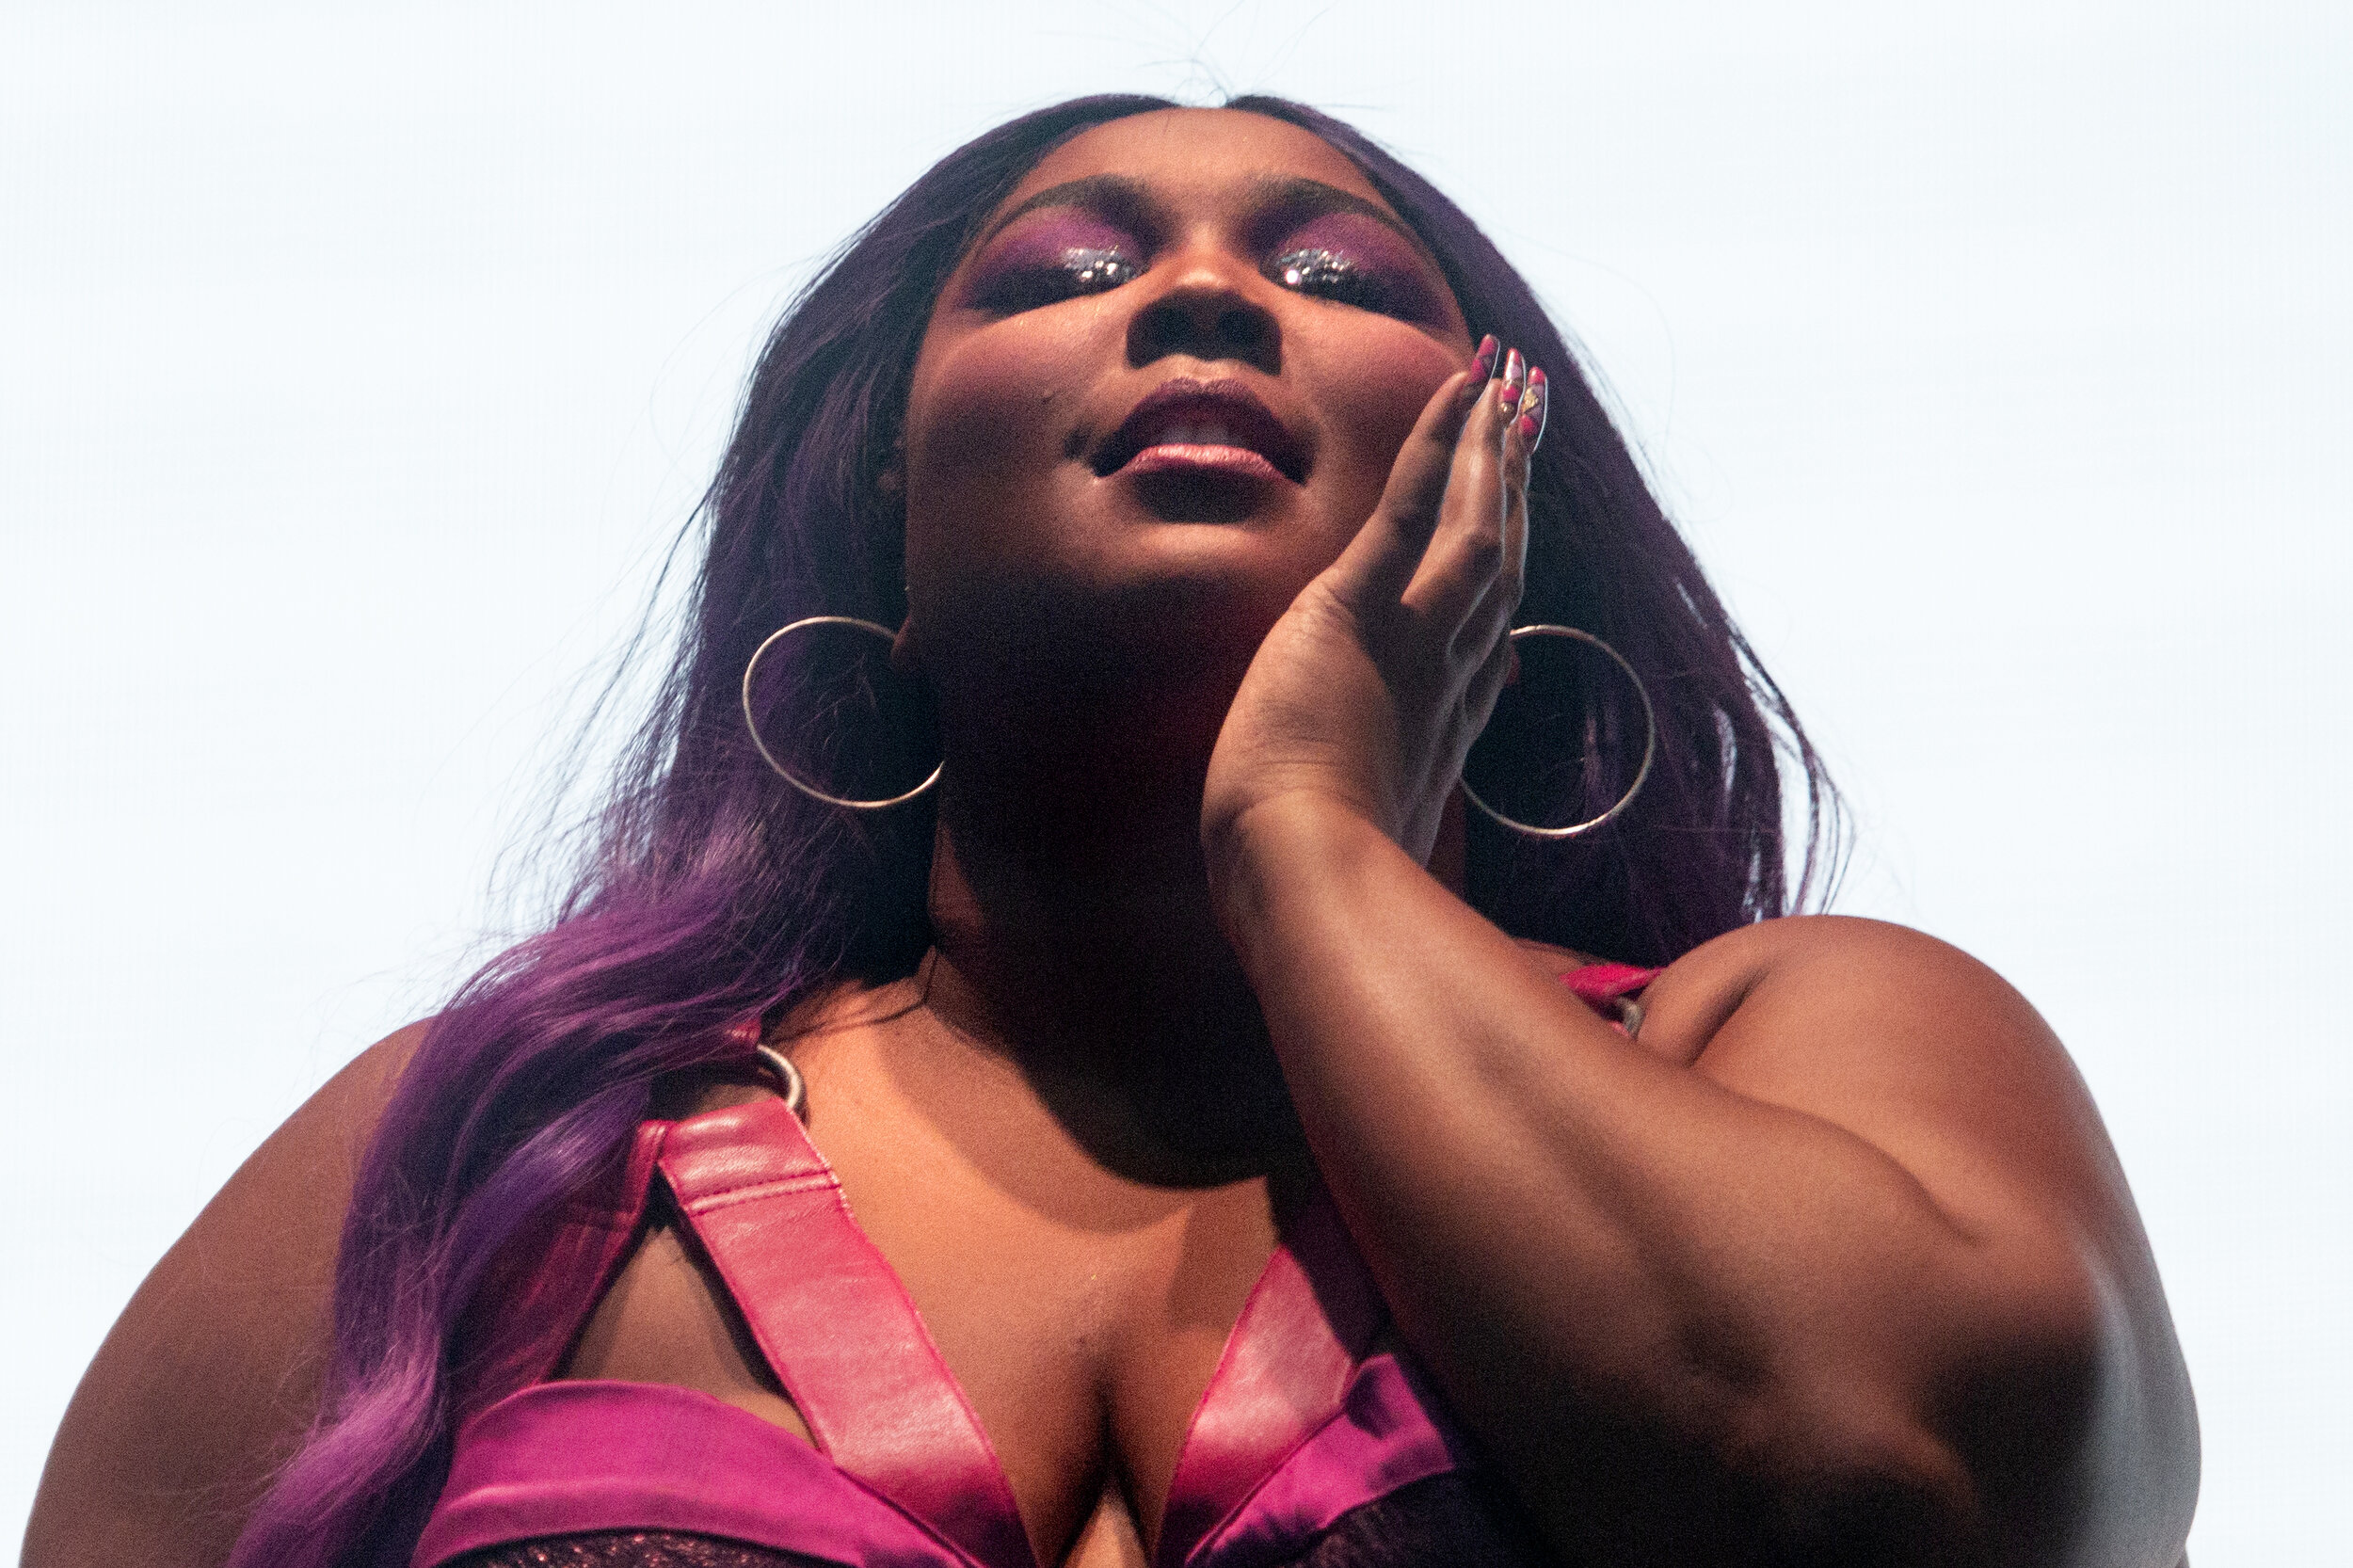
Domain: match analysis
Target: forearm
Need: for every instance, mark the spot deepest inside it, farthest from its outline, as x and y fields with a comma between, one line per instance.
x=1644, y=1289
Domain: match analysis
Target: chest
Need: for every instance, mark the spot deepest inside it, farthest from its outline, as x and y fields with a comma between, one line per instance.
x=1081, y=1316
x=741, y=1278
x=1078, y=1318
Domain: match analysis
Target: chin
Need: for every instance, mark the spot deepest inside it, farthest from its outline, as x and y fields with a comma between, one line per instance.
x=1197, y=496
x=1135, y=584
x=1208, y=583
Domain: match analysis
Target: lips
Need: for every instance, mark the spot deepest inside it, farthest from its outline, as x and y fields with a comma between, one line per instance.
x=1206, y=428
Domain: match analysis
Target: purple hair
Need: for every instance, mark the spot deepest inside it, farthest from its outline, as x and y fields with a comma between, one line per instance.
x=717, y=895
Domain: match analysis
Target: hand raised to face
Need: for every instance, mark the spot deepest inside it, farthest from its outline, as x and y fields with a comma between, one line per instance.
x=1368, y=692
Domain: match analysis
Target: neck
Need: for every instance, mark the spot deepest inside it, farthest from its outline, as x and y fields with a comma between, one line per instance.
x=1073, y=936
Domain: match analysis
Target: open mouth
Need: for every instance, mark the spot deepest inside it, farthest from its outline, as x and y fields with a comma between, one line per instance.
x=1203, y=427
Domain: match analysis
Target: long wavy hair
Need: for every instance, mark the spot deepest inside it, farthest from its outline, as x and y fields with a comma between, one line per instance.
x=713, y=894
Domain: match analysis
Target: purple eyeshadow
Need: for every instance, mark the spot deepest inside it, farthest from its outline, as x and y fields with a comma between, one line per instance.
x=1368, y=244
x=1352, y=234
x=1056, y=254
x=1044, y=238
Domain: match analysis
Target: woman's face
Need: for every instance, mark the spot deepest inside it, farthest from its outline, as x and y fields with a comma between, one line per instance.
x=1155, y=399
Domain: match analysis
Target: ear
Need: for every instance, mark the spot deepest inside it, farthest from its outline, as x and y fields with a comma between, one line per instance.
x=891, y=480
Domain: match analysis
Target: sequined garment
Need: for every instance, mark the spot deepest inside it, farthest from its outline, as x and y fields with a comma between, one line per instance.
x=635, y=1550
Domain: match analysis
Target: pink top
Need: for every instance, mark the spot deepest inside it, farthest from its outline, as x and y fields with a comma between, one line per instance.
x=1301, y=1425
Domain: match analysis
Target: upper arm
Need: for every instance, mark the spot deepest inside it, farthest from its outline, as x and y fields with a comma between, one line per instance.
x=1928, y=1056
x=211, y=1374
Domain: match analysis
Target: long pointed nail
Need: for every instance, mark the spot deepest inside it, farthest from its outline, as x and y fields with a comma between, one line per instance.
x=1534, y=404
x=1514, y=377
x=1482, y=363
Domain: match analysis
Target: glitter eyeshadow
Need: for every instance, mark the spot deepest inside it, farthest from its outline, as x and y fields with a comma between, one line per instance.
x=1092, y=269
x=1315, y=268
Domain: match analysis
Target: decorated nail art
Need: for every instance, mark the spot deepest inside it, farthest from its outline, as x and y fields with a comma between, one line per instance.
x=1514, y=377
x=1533, y=404
x=1483, y=366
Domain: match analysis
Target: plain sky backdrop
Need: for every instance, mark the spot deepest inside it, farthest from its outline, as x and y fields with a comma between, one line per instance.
x=357, y=365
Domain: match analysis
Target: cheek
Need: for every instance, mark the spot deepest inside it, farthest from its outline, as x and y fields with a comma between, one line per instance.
x=1372, y=392
x=985, y=465
x=980, y=413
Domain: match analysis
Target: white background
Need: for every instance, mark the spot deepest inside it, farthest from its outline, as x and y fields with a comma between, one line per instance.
x=356, y=369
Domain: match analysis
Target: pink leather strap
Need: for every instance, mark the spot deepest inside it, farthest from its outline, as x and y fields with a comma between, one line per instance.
x=1310, y=1320
x=1610, y=989
x=1603, y=982
x=837, y=1327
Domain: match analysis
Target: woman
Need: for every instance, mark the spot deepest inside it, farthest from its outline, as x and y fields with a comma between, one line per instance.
x=1235, y=1177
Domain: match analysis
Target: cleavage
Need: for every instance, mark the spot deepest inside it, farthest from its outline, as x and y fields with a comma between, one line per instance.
x=1082, y=1339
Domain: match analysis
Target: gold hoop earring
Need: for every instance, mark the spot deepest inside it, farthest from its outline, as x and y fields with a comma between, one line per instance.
x=1641, y=773
x=752, y=723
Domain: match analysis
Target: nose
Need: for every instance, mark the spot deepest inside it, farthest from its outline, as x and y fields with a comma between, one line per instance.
x=1206, y=312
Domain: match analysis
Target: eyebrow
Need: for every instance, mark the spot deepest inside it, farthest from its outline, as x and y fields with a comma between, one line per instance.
x=1313, y=199
x=1115, y=194
x=1123, y=196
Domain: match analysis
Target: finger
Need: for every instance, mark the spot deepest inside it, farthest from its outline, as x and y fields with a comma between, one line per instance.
x=1489, y=618
x=1380, y=561
x=1467, y=550
x=1535, y=408
x=1528, y=429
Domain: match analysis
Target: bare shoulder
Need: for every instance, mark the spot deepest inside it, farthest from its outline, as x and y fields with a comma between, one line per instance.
x=1887, y=1031
x=212, y=1371
x=1908, y=1043
x=1728, y=1005
x=1821, y=961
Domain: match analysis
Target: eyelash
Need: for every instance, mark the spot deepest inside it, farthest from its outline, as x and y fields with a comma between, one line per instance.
x=1096, y=271
x=1329, y=275
x=1079, y=270
x=1313, y=270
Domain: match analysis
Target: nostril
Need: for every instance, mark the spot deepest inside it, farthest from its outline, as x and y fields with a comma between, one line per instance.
x=1197, y=321
x=1168, y=326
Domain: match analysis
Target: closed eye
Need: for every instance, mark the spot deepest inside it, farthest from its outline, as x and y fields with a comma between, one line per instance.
x=1330, y=274
x=1353, y=258
x=1050, y=254
x=1044, y=280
